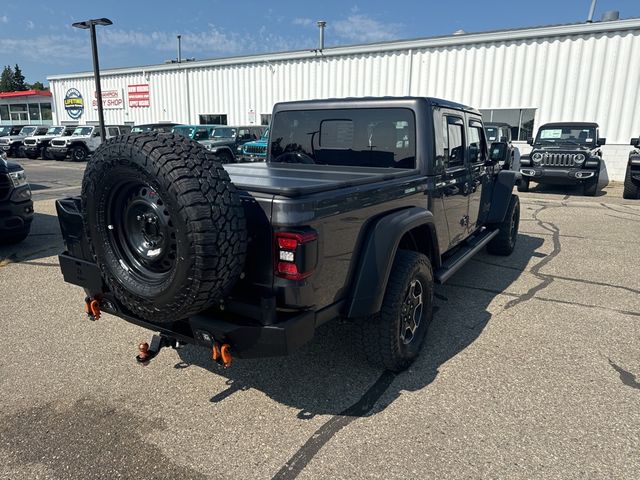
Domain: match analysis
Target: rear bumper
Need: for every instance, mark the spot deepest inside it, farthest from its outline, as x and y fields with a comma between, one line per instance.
x=247, y=337
x=564, y=176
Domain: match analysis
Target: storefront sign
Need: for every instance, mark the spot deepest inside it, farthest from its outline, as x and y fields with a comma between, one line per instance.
x=111, y=100
x=139, y=95
x=74, y=103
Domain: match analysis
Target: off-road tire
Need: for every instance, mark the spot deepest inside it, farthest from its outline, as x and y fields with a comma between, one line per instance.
x=523, y=185
x=631, y=190
x=44, y=154
x=590, y=189
x=14, y=238
x=78, y=153
x=505, y=241
x=380, y=333
x=225, y=157
x=210, y=231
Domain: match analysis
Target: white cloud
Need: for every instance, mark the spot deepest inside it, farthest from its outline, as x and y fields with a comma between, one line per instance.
x=361, y=28
x=30, y=25
x=4, y=19
x=49, y=49
x=303, y=22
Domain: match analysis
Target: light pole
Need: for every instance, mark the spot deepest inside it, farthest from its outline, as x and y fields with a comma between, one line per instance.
x=91, y=25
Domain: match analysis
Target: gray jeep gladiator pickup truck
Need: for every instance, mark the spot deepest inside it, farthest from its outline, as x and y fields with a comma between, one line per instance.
x=361, y=206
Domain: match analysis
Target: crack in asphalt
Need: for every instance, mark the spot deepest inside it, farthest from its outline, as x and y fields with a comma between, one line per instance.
x=560, y=277
x=535, y=270
x=623, y=218
x=627, y=378
x=326, y=432
x=626, y=212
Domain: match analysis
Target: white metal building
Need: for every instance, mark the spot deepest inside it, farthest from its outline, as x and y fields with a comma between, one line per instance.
x=526, y=77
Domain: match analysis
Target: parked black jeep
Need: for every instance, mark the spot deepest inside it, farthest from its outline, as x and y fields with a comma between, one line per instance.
x=632, y=175
x=564, y=153
x=16, y=206
x=361, y=206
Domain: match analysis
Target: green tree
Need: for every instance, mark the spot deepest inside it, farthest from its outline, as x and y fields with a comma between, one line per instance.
x=18, y=79
x=6, y=80
x=37, y=86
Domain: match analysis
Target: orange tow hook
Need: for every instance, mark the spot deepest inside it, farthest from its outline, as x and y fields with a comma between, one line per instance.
x=92, y=308
x=215, y=352
x=225, y=355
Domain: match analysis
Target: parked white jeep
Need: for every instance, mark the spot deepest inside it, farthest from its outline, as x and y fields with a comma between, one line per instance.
x=83, y=142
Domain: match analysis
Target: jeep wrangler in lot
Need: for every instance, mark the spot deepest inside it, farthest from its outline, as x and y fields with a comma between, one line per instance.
x=227, y=142
x=498, y=132
x=632, y=176
x=361, y=206
x=255, y=151
x=83, y=141
x=566, y=153
x=13, y=145
x=16, y=206
x=37, y=146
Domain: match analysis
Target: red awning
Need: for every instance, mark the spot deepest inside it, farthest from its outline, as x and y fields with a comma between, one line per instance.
x=26, y=93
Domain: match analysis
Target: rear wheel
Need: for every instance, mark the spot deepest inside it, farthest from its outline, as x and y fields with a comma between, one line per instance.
x=225, y=156
x=505, y=241
x=165, y=224
x=523, y=185
x=392, y=338
x=631, y=190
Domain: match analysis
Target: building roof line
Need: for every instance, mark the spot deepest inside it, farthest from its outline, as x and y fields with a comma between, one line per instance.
x=525, y=33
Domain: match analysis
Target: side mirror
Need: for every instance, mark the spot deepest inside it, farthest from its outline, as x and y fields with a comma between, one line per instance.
x=602, y=141
x=530, y=140
x=635, y=142
x=498, y=153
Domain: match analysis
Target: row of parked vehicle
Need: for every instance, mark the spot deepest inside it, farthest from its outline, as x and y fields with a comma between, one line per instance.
x=233, y=144
x=566, y=153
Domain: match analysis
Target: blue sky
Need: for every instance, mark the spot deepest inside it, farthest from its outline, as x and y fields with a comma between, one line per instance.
x=38, y=36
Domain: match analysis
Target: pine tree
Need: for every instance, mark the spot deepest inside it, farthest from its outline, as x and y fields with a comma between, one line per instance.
x=6, y=80
x=37, y=86
x=18, y=79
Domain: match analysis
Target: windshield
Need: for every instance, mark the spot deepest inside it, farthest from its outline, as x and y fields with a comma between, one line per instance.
x=5, y=130
x=55, y=130
x=141, y=129
x=27, y=131
x=184, y=131
x=265, y=135
x=567, y=135
x=82, y=131
x=224, y=133
x=492, y=133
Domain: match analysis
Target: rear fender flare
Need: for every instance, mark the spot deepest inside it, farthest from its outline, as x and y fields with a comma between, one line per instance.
x=378, y=253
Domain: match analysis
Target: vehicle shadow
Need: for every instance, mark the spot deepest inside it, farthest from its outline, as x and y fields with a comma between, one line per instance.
x=330, y=375
x=43, y=241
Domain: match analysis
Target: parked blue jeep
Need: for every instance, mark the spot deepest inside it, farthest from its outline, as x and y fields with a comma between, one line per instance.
x=255, y=151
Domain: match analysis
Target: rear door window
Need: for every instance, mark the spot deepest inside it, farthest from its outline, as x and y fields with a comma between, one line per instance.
x=366, y=137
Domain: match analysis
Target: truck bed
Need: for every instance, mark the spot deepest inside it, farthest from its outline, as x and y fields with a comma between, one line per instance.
x=294, y=180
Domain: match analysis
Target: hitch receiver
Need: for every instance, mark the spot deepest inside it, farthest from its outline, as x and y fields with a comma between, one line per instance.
x=147, y=352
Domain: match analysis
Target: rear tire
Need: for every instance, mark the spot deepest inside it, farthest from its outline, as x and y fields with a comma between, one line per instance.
x=631, y=191
x=504, y=243
x=523, y=185
x=164, y=223
x=389, y=338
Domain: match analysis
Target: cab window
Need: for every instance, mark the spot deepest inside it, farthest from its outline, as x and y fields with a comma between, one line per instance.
x=453, y=139
x=477, y=143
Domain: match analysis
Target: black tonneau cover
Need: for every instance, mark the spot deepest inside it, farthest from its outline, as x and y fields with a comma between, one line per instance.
x=293, y=180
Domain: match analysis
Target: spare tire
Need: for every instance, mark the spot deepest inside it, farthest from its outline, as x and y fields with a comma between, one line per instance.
x=164, y=223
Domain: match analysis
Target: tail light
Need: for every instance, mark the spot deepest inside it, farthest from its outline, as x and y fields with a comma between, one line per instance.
x=296, y=254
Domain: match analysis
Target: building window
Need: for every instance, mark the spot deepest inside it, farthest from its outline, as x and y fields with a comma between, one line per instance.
x=519, y=119
x=45, y=109
x=34, y=112
x=213, y=119
x=4, y=112
x=19, y=112
x=265, y=118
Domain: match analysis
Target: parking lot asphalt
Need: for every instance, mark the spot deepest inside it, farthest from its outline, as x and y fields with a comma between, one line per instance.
x=531, y=370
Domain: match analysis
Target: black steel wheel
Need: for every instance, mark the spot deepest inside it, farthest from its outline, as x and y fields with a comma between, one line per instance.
x=165, y=224
x=393, y=338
